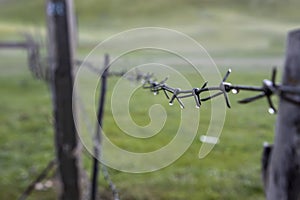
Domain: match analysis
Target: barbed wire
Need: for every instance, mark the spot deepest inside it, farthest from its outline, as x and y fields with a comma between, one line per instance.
x=90, y=129
x=99, y=71
x=267, y=90
x=97, y=142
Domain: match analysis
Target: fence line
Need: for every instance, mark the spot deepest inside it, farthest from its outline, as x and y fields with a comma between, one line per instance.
x=267, y=90
x=104, y=170
x=33, y=53
x=288, y=93
x=98, y=134
x=104, y=74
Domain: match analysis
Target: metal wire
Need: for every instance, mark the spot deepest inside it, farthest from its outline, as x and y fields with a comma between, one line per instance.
x=98, y=71
x=179, y=94
x=105, y=172
x=267, y=90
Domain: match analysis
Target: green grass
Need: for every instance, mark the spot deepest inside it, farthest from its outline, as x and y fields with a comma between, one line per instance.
x=25, y=126
x=231, y=171
x=239, y=32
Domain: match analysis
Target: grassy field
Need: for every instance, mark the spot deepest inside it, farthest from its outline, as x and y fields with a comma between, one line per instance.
x=231, y=171
x=248, y=36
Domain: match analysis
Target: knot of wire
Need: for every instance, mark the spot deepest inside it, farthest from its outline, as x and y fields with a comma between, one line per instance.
x=267, y=90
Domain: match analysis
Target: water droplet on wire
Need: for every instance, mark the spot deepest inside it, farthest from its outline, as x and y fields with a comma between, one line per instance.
x=271, y=111
x=171, y=103
x=235, y=91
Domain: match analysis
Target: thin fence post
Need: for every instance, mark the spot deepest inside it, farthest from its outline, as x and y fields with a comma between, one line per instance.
x=61, y=63
x=282, y=176
x=99, y=126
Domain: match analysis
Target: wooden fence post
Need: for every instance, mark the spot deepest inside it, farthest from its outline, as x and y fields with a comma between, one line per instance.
x=61, y=62
x=282, y=176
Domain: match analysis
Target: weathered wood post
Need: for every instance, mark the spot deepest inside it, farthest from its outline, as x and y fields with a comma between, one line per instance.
x=283, y=171
x=61, y=49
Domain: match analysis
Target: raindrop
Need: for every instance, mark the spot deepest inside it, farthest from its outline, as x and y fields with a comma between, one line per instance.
x=271, y=111
x=197, y=106
x=171, y=103
x=181, y=106
x=155, y=93
x=235, y=91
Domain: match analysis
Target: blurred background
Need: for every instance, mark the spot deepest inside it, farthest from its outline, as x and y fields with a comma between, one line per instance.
x=245, y=35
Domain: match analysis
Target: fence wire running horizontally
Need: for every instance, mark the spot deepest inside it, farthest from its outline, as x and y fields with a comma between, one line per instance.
x=267, y=90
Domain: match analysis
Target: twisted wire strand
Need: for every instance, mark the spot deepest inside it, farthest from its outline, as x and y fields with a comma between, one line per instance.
x=267, y=90
x=104, y=169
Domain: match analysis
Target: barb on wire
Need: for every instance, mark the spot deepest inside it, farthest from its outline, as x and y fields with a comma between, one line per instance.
x=223, y=89
x=178, y=94
x=267, y=90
